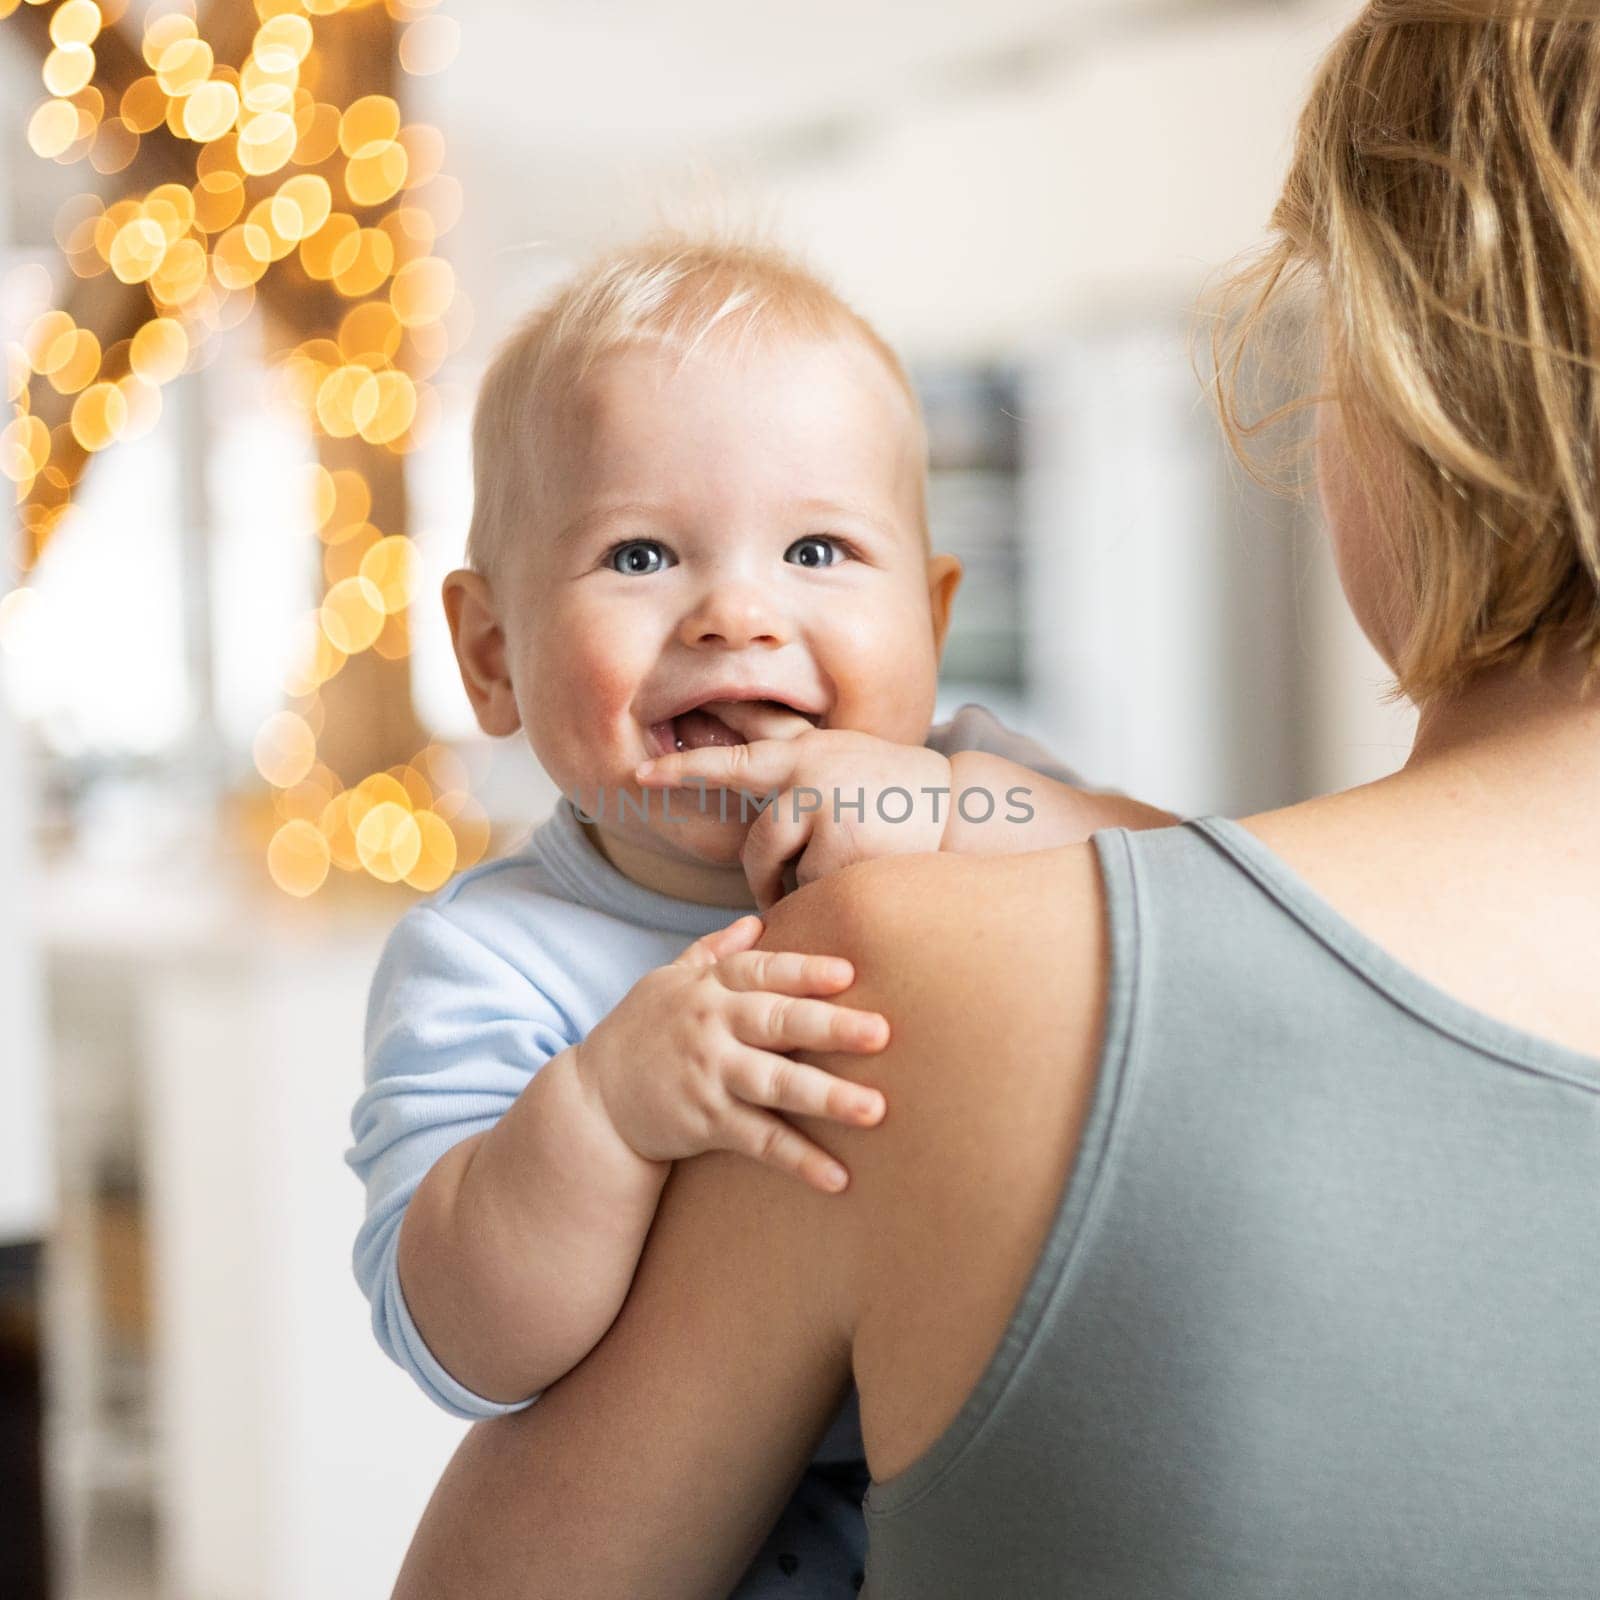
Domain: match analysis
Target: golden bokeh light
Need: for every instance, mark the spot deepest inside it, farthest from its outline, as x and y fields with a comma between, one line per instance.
x=342, y=559
x=24, y=448
x=80, y=365
x=371, y=179
x=316, y=659
x=68, y=68
x=370, y=334
x=163, y=31
x=263, y=87
x=211, y=110
x=266, y=141
x=52, y=128
x=171, y=207
x=422, y=291
x=352, y=505
x=90, y=103
x=143, y=401
x=218, y=200
x=75, y=22
x=352, y=615
x=388, y=841
x=379, y=788
x=284, y=749
x=159, y=350
x=99, y=414
x=335, y=827
x=43, y=342
x=298, y=858
x=424, y=147
x=308, y=799
x=436, y=859
x=394, y=639
x=419, y=793
x=328, y=243
x=196, y=249
x=282, y=42
x=347, y=401
x=115, y=145
x=262, y=217
x=410, y=231
x=301, y=206
x=183, y=66
x=74, y=225
x=324, y=494
x=362, y=262
x=137, y=249
x=181, y=275
x=368, y=124
x=238, y=258
x=397, y=405
x=468, y=822
x=221, y=155
x=143, y=105
x=429, y=44
x=394, y=567
x=319, y=135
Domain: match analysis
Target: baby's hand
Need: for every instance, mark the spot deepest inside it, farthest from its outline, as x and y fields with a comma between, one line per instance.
x=684, y=1060
x=841, y=797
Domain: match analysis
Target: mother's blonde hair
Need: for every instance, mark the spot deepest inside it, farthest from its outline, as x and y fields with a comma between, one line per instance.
x=1443, y=211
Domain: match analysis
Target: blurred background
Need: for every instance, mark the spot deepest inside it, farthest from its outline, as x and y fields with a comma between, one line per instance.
x=253, y=258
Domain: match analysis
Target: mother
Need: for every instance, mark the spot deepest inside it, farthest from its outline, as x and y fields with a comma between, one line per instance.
x=1233, y=1231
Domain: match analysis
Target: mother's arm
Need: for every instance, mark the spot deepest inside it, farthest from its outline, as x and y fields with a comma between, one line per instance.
x=658, y=1465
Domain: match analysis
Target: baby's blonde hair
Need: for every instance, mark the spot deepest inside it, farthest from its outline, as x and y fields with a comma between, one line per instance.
x=672, y=291
x=1442, y=214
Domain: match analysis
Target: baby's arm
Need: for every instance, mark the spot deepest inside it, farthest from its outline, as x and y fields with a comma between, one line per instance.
x=459, y=1035
x=499, y=1271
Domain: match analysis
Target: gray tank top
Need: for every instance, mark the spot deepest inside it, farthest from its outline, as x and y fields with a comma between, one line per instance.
x=1319, y=1313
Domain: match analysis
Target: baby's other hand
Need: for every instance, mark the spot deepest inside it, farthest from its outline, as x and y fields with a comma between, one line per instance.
x=695, y=1056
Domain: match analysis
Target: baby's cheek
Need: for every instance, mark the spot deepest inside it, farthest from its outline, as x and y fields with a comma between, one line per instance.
x=893, y=694
x=605, y=689
x=571, y=705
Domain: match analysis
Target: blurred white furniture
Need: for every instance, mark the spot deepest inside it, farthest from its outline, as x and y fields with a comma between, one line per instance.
x=26, y=1180
x=290, y=1460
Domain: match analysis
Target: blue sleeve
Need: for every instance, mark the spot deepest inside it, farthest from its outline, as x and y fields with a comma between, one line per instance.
x=454, y=1033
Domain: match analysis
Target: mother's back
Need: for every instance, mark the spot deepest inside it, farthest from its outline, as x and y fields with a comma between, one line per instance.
x=1318, y=1310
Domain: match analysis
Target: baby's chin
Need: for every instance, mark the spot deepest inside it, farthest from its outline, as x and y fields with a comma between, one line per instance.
x=706, y=839
x=675, y=823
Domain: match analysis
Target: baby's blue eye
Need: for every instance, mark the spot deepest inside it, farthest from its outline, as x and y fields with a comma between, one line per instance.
x=638, y=557
x=815, y=550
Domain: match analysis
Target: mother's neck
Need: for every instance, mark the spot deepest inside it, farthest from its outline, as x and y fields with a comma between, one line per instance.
x=1512, y=733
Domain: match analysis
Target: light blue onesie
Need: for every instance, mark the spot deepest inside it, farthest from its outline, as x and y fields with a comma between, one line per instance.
x=478, y=987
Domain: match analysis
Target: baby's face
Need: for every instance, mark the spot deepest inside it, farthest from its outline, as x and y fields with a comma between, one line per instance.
x=737, y=527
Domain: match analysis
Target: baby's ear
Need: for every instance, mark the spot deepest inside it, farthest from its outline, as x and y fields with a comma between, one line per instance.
x=480, y=644
x=944, y=578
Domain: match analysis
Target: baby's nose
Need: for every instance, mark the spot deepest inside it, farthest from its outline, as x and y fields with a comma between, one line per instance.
x=734, y=616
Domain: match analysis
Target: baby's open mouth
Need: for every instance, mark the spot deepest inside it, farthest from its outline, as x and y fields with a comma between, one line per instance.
x=728, y=722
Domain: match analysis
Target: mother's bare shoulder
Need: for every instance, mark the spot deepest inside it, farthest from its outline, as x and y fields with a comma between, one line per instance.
x=992, y=972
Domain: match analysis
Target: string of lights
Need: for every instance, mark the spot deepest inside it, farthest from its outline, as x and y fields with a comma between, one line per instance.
x=277, y=179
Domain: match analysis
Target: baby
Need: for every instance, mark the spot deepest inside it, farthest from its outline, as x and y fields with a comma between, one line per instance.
x=698, y=547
